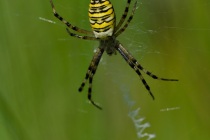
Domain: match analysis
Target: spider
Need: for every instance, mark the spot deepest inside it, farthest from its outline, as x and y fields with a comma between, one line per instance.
x=105, y=30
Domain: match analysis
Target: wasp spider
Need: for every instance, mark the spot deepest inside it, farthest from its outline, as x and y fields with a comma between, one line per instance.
x=105, y=30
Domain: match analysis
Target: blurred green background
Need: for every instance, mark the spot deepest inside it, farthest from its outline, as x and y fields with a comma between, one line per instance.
x=41, y=68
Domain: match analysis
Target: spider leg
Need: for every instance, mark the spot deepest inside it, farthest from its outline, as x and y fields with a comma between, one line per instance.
x=148, y=72
x=136, y=66
x=79, y=36
x=135, y=62
x=125, y=55
x=90, y=73
x=90, y=91
x=128, y=21
x=123, y=16
x=75, y=28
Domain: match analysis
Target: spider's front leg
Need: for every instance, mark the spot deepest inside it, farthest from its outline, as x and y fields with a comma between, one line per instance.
x=90, y=73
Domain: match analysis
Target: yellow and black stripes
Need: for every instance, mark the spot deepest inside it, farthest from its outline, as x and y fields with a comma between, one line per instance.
x=102, y=18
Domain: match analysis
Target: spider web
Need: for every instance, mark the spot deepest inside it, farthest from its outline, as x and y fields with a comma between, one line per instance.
x=144, y=47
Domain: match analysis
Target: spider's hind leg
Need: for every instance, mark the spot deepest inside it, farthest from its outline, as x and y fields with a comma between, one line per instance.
x=137, y=67
x=90, y=95
x=149, y=73
x=128, y=59
x=68, y=24
x=90, y=73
